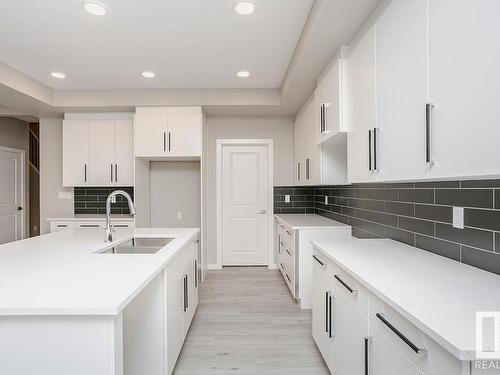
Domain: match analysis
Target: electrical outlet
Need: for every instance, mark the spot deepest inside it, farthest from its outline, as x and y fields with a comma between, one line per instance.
x=287, y=199
x=458, y=217
x=179, y=215
x=326, y=199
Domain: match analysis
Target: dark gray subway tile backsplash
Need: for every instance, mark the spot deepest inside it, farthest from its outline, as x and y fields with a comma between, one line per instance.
x=92, y=200
x=416, y=213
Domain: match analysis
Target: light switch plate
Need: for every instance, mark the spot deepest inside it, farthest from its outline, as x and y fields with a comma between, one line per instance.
x=179, y=215
x=326, y=199
x=65, y=195
x=287, y=199
x=458, y=217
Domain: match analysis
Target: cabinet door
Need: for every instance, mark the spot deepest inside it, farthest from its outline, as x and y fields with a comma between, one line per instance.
x=124, y=153
x=464, y=86
x=101, y=152
x=385, y=358
x=75, y=152
x=175, y=314
x=360, y=66
x=332, y=101
x=350, y=329
x=402, y=90
x=150, y=135
x=321, y=300
x=184, y=134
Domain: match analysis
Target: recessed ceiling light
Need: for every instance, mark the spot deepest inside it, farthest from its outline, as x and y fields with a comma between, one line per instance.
x=148, y=74
x=94, y=7
x=244, y=7
x=243, y=74
x=58, y=75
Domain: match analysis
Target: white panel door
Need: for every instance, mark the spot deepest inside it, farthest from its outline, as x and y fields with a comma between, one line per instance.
x=101, y=152
x=361, y=106
x=124, y=153
x=75, y=152
x=464, y=60
x=402, y=90
x=385, y=358
x=350, y=327
x=184, y=134
x=11, y=195
x=150, y=135
x=245, y=205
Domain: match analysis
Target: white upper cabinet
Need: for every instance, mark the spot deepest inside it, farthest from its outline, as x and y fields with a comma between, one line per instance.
x=329, y=106
x=162, y=132
x=464, y=60
x=75, y=152
x=98, y=150
x=361, y=109
x=401, y=76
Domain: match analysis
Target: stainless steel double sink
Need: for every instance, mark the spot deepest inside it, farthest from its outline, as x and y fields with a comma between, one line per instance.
x=139, y=245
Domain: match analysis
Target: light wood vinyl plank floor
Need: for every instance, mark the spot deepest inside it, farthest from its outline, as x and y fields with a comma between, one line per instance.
x=248, y=323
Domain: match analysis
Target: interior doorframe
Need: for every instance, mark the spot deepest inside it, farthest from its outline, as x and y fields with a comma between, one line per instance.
x=270, y=198
x=23, y=185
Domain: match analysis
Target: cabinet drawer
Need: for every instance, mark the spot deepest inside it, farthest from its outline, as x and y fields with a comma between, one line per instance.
x=344, y=282
x=61, y=225
x=427, y=354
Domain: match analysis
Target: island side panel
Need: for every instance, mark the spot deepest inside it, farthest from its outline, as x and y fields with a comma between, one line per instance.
x=61, y=345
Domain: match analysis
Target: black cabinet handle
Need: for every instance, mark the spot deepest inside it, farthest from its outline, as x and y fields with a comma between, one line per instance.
x=352, y=291
x=307, y=169
x=89, y=225
x=164, y=141
x=412, y=346
x=85, y=172
x=367, y=364
x=369, y=150
x=120, y=225
x=169, y=141
x=282, y=267
x=330, y=315
x=289, y=253
x=185, y=293
x=317, y=260
x=298, y=171
x=428, y=124
x=326, y=311
x=321, y=119
x=195, y=273
x=111, y=172
x=116, y=172
x=375, y=131
x=290, y=281
x=62, y=225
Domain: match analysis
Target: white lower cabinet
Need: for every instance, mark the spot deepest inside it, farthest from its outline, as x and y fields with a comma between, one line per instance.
x=181, y=301
x=378, y=341
x=321, y=300
x=385, y=358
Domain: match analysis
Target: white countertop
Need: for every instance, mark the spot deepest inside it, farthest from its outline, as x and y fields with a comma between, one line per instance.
x=309, y=221
x=61, y=274
x=440, y=296
x=91, y=217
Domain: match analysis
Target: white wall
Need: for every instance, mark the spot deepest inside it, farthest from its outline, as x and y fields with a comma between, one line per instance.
x=280, y=129
x=51, y=174
x=15, y=134
x=175, y=187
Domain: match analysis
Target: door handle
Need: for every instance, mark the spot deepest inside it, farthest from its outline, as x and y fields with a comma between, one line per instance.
x=369, y=150
x=19, y=208
x=262, y=212
x=428, y=124
x=169, y=141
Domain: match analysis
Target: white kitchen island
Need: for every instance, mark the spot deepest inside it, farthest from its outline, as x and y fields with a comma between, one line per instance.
x=65, y=308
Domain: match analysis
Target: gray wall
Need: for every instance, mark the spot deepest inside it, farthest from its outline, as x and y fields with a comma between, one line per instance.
x=175, y=187
x=51, y=174
x=15, y=134
x=280, y=129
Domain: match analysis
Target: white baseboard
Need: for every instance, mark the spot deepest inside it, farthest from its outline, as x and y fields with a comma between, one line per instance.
x=213, y=267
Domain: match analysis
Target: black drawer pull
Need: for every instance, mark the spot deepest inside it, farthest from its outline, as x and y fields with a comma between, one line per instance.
x=330, y=334
x=401, y=336
x=289, y=253
x=290, y=281
x=282, y=267
x=319, y=261
x=120, y=226
x=326, y=311
x=352, y=291
x=62, y=225
x=367, y=357
x=89, y=225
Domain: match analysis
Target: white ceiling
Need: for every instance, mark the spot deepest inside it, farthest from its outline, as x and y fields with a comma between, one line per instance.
x=187, y=43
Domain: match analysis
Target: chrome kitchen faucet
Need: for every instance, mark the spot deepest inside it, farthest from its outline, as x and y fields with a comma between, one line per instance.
x=131, y=207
